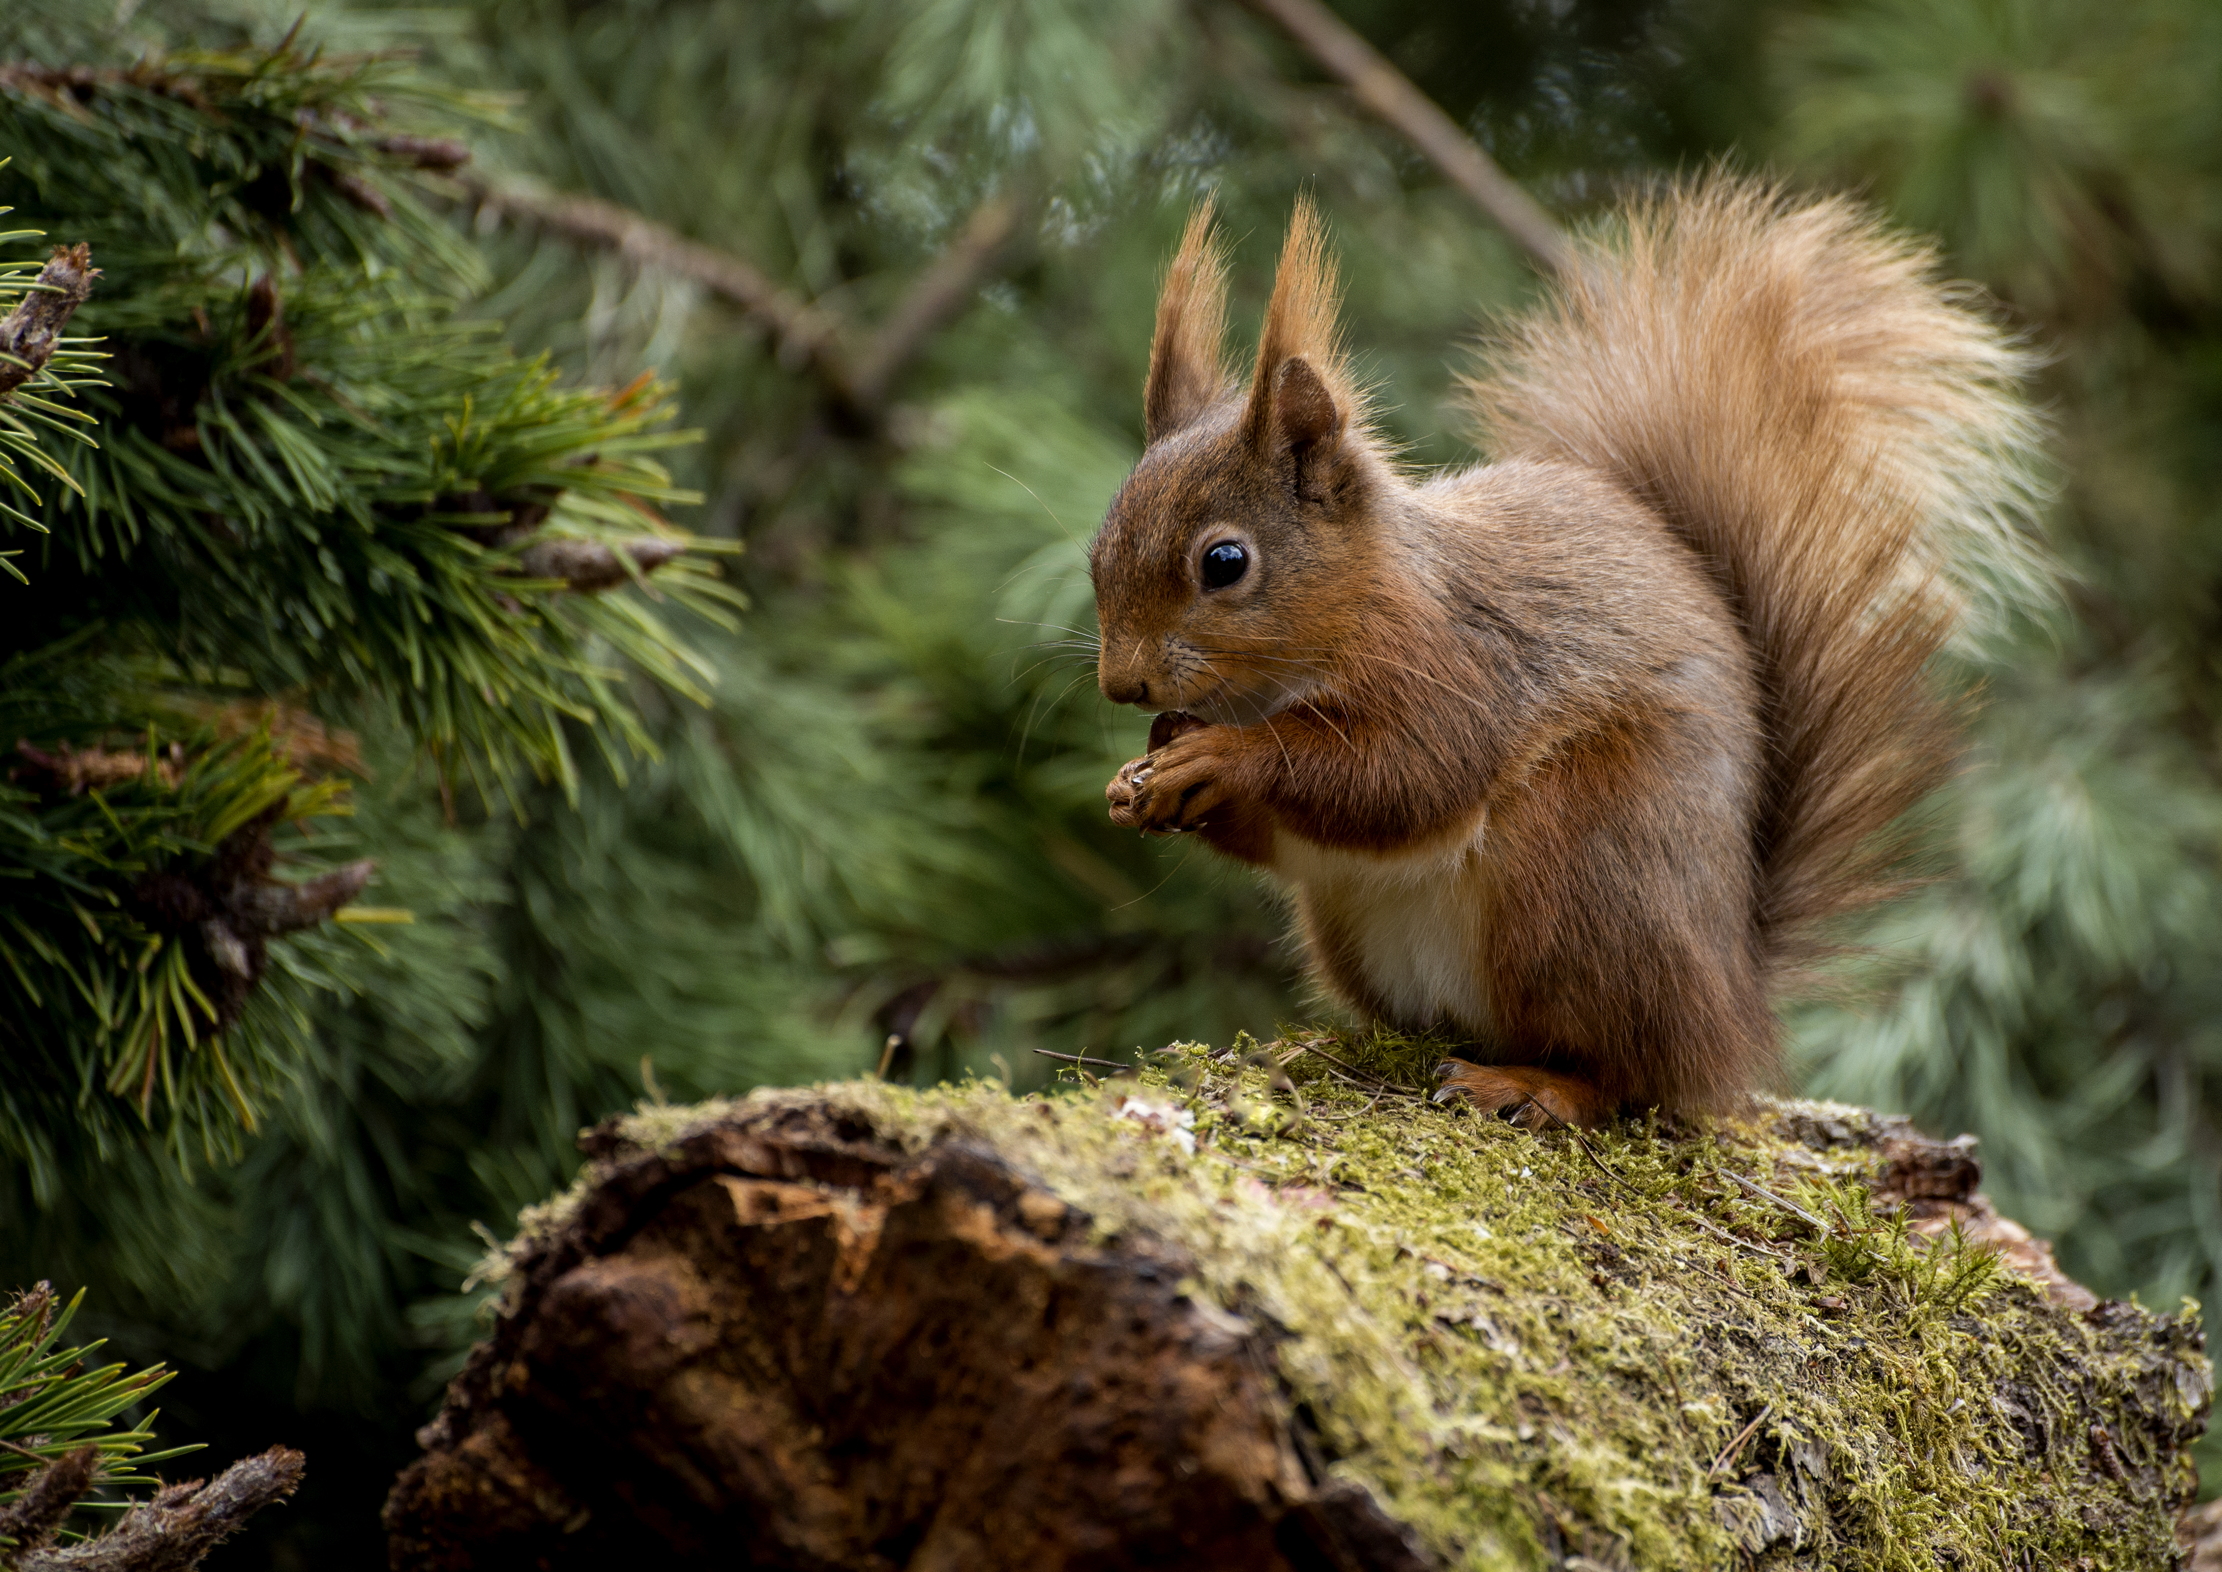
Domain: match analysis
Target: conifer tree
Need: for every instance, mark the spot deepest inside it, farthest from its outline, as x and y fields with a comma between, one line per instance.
x=321, y=532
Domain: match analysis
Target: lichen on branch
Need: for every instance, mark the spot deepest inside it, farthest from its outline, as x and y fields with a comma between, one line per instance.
x=31, y=332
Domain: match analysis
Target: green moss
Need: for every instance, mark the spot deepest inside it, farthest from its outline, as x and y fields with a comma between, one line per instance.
x=1533, y=1347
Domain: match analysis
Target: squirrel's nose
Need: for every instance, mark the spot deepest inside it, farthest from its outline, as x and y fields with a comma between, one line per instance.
x=1126, y=690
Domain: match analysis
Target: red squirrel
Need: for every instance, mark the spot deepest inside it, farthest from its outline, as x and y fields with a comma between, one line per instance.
x=1566, y=754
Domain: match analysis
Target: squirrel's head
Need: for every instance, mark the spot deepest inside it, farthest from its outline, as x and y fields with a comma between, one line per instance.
x=1237, y=553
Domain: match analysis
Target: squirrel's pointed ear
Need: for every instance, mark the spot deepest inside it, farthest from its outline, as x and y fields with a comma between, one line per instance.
x=1307, y=424
x=1187, y=367
x=1303, y=408
x=1296, y=415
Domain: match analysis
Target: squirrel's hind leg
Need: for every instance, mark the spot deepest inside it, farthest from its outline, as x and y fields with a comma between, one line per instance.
x=1537, y=1099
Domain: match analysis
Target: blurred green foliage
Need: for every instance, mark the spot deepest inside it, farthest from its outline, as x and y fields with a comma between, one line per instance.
x=882, y=813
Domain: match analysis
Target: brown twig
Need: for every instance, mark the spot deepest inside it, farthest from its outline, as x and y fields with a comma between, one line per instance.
x=802, y=333
x=29, y=333
x=585, y=566
x=1383, y=1083
x=1581, y=1141
x=64, y=85
x=1728, y=1452
x=939, y=292
x=47, y=1498
x=1391, y=96
x=438, y=153
x=1083, y=1059
x=172, y=1532
x=1726, y=1237
x=267, y=910
x=1791, y=1207
x=72, y=772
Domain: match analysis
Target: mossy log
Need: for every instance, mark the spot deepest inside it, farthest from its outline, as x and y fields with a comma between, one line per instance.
x=1273, y=1308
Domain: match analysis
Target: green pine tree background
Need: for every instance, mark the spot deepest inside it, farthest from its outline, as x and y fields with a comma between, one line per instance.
x=832, y=773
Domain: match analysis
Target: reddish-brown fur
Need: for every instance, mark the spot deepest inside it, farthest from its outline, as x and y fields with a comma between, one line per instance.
x=1567, y=753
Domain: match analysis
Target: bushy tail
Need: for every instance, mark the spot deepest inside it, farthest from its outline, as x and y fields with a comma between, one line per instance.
x=1842, y=438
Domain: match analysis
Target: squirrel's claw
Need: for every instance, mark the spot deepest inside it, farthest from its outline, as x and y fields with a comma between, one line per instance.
x=1124, y=794
x=1170, y=789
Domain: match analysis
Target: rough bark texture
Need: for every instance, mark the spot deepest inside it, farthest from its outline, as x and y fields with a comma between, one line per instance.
x=173, y=1532
x=800, y=1339
x=2200, y=1537
x=30, y=1521
x=857, y=1328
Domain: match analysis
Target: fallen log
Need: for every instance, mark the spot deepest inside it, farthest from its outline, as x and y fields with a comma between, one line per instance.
x=1275, y=1309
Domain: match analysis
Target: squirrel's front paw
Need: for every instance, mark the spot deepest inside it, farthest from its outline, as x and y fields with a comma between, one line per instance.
x=1172, y=789
x=1125, y=791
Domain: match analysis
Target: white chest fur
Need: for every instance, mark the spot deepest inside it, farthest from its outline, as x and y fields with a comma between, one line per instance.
x=1410, y=924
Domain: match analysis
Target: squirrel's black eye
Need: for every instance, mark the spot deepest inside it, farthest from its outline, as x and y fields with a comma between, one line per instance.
x=1224, y=563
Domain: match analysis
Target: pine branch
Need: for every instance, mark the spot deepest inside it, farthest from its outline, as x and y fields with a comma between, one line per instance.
x=585, y=566
x=53, y=1399
x=29, y=333
x=440, y=154
x=60, y=85
x=327, y=480
x=30, y=1521
x=73, y=771
x=270, y=909
x=1392, y=97
x=183, y=1523
x=938, y=294
x=803, y=334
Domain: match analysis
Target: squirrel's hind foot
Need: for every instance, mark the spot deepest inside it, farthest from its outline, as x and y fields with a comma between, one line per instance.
x=1534, y=1099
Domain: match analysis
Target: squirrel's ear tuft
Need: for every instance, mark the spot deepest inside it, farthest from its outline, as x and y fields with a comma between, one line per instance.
x=1301, y=395
x=1188, y=371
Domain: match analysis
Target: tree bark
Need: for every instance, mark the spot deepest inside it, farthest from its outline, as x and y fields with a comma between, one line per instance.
x=1235, y=1320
